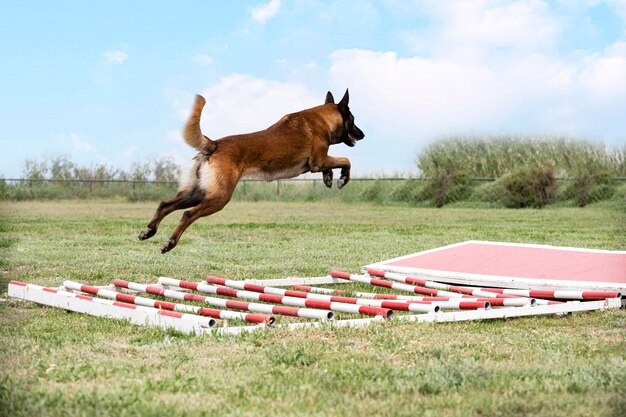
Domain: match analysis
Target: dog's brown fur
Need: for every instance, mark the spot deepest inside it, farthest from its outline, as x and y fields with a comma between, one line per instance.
x=296, y=144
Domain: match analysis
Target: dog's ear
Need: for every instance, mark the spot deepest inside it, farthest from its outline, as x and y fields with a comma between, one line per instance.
x=344, y=101
x=329, y=98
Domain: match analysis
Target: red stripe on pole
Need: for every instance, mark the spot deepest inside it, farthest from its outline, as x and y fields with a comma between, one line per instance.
x=415, y=281
x=54, y=290
x=215, y=280
x=394, y=305
x=257, y=318
x=377, y=272
x=382, y=283
x=82, y=297
x=339, y=274
x=285, y=311
x=188, y=285
x=20, y=283
x=165, y=305
x=346, y=300
x=599, y=295
x=473, y=305
x=237, y=305
x=126, y=298
x=298, y=294
x=229, y=292
x=125, y=305
x=89, y=289
x=322, y=305
x=385, y=296
x=270, y=298
x=120, y=283
x=253, y=287
x=170, y=313
x=375, y=311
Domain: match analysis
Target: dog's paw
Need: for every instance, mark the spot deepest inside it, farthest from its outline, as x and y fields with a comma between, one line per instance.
x=341, y=182
x=168, y=245
x=328, y=179
x=147, y=233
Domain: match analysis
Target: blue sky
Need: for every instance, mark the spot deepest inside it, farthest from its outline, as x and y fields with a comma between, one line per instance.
x=112, y=82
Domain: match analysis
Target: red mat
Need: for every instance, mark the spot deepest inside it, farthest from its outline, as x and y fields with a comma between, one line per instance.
x=515, y=265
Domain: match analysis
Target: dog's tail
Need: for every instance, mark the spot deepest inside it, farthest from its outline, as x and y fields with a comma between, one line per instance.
x=192, y=133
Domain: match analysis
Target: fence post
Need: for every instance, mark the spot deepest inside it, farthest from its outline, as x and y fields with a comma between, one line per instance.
x=277, y=187
x=244, y=187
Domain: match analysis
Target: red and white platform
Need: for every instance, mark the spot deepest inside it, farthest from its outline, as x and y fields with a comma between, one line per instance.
x=515, y=265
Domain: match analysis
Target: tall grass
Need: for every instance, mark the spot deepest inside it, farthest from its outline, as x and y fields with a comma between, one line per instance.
x=496, y=156
x=526, y=168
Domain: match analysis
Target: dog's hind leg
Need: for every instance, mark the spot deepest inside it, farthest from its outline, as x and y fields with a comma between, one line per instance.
x=209, y=206
x=184, y=199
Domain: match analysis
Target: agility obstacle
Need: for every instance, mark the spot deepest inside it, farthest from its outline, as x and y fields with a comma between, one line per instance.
x=378, y=310
x=303, y=304
x=220, y=302
x=510, y=302
x=458, y=291
x=184, y=308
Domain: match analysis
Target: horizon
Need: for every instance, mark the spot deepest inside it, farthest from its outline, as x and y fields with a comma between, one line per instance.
x=112, y=83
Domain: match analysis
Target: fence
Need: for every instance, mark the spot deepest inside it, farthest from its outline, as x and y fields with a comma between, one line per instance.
x=248, y=189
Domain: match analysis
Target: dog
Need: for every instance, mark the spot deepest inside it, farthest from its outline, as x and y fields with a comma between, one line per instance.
x=296, y=144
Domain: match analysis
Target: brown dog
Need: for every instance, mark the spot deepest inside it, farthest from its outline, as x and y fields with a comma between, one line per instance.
x=296, y=144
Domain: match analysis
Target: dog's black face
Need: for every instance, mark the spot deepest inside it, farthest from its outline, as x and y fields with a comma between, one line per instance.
x=351, y=133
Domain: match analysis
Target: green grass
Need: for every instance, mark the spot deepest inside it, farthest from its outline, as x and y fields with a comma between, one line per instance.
x=63, y=364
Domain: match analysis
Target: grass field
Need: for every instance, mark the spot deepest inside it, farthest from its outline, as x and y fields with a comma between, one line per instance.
x=63, y=364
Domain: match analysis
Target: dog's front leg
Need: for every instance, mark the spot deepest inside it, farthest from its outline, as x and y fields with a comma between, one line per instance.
x=332, y=162
x=328, y=178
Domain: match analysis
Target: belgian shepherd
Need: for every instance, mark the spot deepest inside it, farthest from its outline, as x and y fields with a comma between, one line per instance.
x=296, y=144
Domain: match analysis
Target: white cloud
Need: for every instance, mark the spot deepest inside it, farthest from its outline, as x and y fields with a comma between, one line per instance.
x=423, y=98
x=115, y=57
x=80, y=144
x=202, y=60
x=241, y=103
x=264, y=12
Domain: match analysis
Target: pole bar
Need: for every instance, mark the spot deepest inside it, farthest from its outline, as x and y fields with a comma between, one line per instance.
x=184, y=308
x=217, y=302
x=558, y=294
x=188, y=323
x=495, y=302
x=370, y=307
x=287, y=300
x=308, y=313
x=454, y=288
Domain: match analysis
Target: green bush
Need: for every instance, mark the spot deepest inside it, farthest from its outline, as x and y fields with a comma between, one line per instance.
x=528, y=187
x=447, y=187
x=409, y=191
x=589, y=187
x=372, y=192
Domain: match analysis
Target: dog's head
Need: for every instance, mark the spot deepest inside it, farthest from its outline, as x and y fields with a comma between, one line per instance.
x=350, y=133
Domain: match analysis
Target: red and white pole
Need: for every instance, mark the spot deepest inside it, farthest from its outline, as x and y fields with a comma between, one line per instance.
x=445, y=287
x=393, y=285
x=558, y=294
x=165, y=305
x=202, y=321
x=378, y=304
x=220, y=302
x=280, y=299
x=510, y=302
